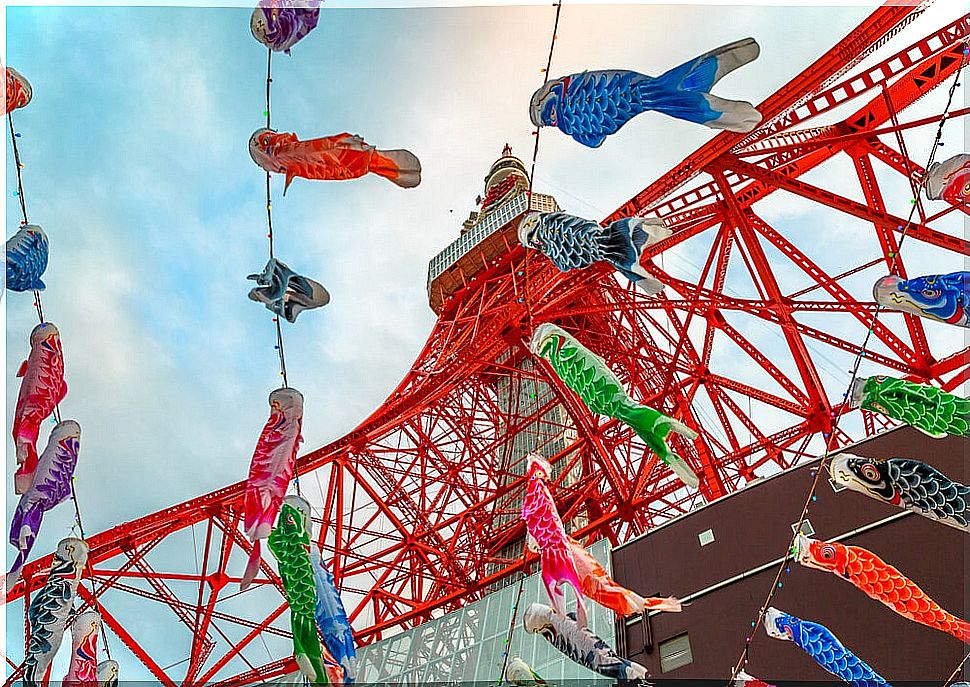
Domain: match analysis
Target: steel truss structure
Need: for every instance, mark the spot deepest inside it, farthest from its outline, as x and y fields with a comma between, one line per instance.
x=419, y=503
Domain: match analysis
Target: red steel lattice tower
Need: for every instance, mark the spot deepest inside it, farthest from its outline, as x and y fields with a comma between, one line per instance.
x=418, y=511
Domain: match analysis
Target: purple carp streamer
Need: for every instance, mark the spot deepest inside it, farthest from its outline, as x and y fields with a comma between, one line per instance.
x=51, y=486
x=281, y=24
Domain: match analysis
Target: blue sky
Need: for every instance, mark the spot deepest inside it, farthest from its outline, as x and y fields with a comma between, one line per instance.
x=135, y=147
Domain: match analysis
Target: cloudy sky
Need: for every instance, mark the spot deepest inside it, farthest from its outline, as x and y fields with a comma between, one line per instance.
x=136, y=165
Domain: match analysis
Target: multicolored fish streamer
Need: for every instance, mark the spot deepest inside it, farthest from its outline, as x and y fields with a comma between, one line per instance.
x=50, y=607
x=290, y=544
x=594, y=104
x=598, y=586
x=18, y=91
x=930, y=410
x=823, y=646
x=286, y=293
x=108, y=674
x=27, y=254
x=579, y=644
x=745, y=680
x=587, y=374
x=338, y=635
x=940, y=297
x=333, y=158
x=545, y=527
x=949, y=180
x=882, y=582
x=519, y=673
x=906, y=483
x=281, y=24
x=573, y=243
x=42, y=388
x=51, y=486
x=83, y=670
x=270, y=472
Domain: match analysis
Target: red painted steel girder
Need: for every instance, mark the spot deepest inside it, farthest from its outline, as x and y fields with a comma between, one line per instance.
x=418, y=508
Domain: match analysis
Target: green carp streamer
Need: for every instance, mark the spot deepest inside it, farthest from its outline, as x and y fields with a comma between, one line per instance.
x=587, y=374
x=928, y=409
x=290, y=543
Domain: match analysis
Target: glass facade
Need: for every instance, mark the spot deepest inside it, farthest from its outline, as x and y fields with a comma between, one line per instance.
x=467, y=645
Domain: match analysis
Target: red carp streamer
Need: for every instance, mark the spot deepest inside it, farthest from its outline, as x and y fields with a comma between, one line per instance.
x=332, y=158
x=881, y=582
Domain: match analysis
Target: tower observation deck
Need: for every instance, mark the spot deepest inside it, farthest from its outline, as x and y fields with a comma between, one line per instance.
x=488, y=232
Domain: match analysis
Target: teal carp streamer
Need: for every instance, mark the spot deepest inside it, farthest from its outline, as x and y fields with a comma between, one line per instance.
x=290, y=543
x=587, y=374
x=930, y=410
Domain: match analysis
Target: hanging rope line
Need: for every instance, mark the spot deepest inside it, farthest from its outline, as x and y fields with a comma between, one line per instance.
x=39, y=307
x=272, y=250
x=527, y=291
x=860, y=355
x=269, y=218
x=527, y=296
x=956, y=671
x=507, y=646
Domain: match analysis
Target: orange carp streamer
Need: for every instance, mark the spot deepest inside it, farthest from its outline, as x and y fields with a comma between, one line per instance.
x=597, y=585
x=332, y=158
x=881, y=582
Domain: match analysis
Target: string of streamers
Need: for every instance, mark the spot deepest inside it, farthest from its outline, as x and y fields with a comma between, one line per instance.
x=528, y=310
x=39, y=307
x=860, y=355
x=272, y=252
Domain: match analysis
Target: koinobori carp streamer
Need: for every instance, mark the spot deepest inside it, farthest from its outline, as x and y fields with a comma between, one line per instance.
x=271, y=469
x=546, y=528
x=587, y=374
x=882, y=582
x=331, y=158
x=594, y=104
x=573, y=243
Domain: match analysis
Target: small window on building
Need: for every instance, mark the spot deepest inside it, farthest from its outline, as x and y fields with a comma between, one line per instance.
x=675, y=653
x=706, y=537
x=807, y=528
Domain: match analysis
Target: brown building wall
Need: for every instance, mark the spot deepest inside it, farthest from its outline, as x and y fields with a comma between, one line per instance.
x=753, y=527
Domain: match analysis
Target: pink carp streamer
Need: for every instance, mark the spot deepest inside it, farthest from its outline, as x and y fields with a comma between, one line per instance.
x=270, y=472
x=83, y=670
x=546, y=528
x=42, y=388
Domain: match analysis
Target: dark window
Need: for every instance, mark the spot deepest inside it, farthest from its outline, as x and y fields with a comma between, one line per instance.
x=675, y=653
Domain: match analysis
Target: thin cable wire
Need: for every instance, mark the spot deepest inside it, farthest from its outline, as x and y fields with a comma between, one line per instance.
x=527, y=296
x=269, y=217
x=39, y=306
x=894, y=259
x=515, y=613
x=16, y=159
x=956, y=671
x=272, y=251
